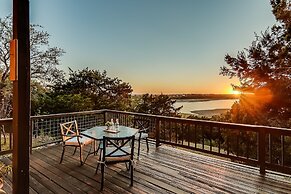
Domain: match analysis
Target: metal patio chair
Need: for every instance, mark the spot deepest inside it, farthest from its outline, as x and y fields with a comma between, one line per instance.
x=71, y=137
x=116, y=150
x=143, y=126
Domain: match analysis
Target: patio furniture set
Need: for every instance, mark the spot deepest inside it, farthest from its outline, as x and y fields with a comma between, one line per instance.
x=113, y=145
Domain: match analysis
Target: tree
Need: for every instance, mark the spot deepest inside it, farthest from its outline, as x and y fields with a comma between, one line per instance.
x=6, y=99
x=157, y=105
x=264, y=69
x=103, y=91
x=44, y=101
x=281, y=10
x=48, y=103
x=43, y=58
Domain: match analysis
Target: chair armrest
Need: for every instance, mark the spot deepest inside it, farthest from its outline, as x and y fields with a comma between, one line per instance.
x=145, y=130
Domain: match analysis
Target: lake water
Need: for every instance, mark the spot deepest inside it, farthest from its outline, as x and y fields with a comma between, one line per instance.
x=194, y=104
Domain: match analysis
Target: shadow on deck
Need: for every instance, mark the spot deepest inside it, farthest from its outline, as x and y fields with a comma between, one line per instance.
x=163, y=170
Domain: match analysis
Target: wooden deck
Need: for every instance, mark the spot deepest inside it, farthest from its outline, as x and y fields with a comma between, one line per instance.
x=162, y=170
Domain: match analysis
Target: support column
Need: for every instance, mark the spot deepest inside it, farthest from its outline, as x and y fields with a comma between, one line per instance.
x=21, y=99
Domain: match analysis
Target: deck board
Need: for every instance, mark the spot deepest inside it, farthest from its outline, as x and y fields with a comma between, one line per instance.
x=163, y=170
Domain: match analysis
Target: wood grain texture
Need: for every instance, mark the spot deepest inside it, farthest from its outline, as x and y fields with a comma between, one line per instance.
x=164, y=169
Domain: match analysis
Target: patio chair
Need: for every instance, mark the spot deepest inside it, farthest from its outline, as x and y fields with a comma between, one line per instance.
x=71, y=137
x=143, y=126
x=116, y=150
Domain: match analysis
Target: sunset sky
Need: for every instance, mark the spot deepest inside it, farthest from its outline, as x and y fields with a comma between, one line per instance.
x=158, y=46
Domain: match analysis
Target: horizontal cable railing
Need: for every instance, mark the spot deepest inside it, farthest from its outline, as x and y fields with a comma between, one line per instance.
x=266, y=147
x=45, y=129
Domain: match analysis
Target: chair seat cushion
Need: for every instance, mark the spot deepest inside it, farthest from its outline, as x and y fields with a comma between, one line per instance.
x=83, y=140
x=118, y=155
x=143, y=135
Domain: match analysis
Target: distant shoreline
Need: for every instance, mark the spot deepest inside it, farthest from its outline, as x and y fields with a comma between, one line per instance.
x=209, y=113
x=198, y=100
x=201, y=97
x=205, y=107
x=204, y=97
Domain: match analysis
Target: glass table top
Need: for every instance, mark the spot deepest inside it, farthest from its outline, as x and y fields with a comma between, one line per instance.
x=98, y=132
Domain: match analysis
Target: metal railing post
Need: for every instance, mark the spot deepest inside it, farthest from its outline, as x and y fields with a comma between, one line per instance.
x=262, y=150
x=157, y=126
x=30, y=135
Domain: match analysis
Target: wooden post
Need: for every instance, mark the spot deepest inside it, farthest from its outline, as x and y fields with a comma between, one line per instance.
x=157, y=132
x=262, y=150
x=21, y=99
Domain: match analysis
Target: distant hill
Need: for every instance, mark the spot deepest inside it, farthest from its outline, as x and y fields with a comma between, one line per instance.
x=204, y=96
x=201, y=97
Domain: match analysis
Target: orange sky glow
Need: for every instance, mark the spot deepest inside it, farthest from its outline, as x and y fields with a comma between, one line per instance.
x=156, y=46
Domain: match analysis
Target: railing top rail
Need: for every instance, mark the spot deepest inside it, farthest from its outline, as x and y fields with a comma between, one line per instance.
x=67, y=114
x=176, y=119
x=205, y=122
x=6, y=120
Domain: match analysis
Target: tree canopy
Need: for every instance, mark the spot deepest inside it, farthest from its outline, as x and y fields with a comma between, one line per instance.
x=95, y=88
x=92, y=90
x=157, y=105
x=43, y=58
x=264, y=69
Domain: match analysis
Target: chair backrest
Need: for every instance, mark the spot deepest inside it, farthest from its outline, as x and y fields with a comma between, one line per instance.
x=69, y=129
x=120, y=147
x=141, y=124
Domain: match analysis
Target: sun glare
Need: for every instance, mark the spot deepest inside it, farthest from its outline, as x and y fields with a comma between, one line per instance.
x=236, y=92
x=231, y=91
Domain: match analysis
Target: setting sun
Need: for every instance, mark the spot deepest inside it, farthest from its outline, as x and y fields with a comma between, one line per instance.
x=236, y=92
x=231, y=91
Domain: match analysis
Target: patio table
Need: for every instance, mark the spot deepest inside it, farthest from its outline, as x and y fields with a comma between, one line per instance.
x=98, y=132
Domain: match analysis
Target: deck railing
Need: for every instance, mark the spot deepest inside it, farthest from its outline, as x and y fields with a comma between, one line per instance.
x=46, y=128
x=266, y=147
